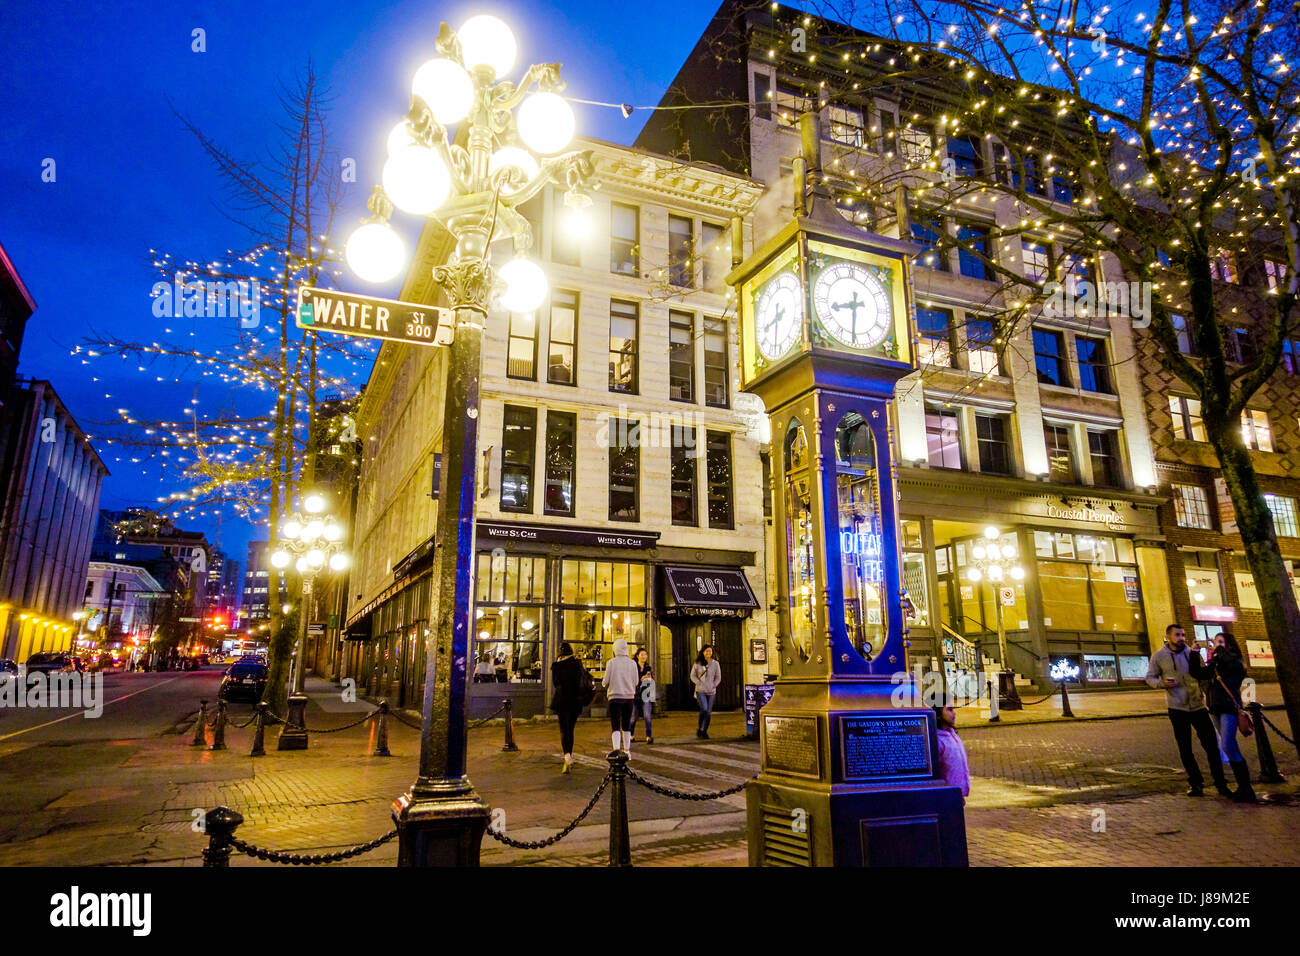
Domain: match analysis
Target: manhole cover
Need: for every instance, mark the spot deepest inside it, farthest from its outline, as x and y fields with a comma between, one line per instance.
x=1144, y=770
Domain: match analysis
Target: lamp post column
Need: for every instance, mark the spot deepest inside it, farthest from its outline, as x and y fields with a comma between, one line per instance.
x=293, y=735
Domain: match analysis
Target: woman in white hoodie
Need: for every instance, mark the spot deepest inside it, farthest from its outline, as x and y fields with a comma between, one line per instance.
x=620, y=682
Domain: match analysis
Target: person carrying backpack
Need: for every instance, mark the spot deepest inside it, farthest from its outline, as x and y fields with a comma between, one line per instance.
x=572, y=689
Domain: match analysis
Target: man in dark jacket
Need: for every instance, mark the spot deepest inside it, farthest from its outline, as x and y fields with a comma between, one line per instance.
x=1179, y=670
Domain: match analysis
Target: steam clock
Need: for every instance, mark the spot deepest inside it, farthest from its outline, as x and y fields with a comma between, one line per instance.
x=850, y=773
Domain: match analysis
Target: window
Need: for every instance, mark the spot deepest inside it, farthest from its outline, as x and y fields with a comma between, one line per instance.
x=717, y=258
x=1033, y=179
x=1007, y=170
x=715, y=362
x=762, y=96
x=934, y=330
x=1075, y=270
x=1274, y=274
x=1239, y=346
x=1179, y=323
x=1255, y=431
x=681, y=356
x=964, y=151
x=917, y=146
x=943, y=444
x=1191, y=507
x=718, y=467
x=561, y=365
x=1094, y=370
x=981, y=353
x=1291, y=356
x=1186, y=415
x=518, y=444
x=683, y=476
x=973, y=250
x=1105, y=461
x=926, y=232
x=623, y=323
x=1284, y=515
x=1060, y=461
x=521, y=355
x=1062, y=191
x=509, y=616
x=624, y=470
x=791, y=102
x=681, y=243
x=624, y=239
x=90, y=590
x=566, y=247
x=561, y=450
x=995, y=451
x=1037, y=260
x=1223, y=266
x=852, y=207
x=845, y=125
x=1048, y=357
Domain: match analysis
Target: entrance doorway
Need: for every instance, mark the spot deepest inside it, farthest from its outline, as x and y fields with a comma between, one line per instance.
x=689, y=635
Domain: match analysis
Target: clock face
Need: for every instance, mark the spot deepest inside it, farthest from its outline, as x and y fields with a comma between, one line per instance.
x=853, y=305
x=777, y=315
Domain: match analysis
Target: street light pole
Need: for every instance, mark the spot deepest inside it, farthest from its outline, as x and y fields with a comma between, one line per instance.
x=995, y=563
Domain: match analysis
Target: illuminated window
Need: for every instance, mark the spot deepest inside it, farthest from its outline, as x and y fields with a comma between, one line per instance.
x=624, y=239
x=518, y=448
x=624, y=320
x=1255, y=431
x=934, y=330
x=1191, y=507
x=561, y=365
x=521, y=357
x=1186, y=415
x=1060, y=459
x=1037, y=260
x=981, y=349
x=717, y=467
x=681, y=251
x=942, y=439
x=1284, y=515
x=681, y=356
x=845, y=125
x=683, y=476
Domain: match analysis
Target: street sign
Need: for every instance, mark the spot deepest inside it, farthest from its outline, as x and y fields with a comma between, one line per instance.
x=348, y=314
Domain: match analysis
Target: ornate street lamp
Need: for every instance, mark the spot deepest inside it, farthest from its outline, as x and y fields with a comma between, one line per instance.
x=504, y=154
x=995, y=561
x=311, y=540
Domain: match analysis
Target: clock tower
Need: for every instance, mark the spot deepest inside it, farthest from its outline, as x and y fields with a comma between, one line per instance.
x=851, y=773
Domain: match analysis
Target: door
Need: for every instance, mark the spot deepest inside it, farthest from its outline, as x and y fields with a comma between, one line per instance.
x=726, y=634
x=690, y=634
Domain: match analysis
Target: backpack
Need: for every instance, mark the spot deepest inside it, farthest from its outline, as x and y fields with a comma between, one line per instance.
x=586, y=686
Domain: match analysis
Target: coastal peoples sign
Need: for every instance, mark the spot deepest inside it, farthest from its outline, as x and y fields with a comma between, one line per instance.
x=323, y=309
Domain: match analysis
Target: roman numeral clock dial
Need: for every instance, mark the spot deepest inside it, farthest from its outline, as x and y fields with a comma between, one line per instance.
x=852, y=305
x=778, y=313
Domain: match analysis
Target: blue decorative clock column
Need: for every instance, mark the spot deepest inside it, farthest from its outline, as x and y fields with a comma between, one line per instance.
x=850, y=773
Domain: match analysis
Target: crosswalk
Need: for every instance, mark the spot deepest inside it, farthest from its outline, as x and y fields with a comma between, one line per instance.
x=692, y=768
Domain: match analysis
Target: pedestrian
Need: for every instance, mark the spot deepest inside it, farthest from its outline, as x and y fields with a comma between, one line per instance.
x=620, y=682
x=952, y=752
x=569, y=681
x=644, y=703
x=1227, y=671
x=1179, y=669
x=706, y=675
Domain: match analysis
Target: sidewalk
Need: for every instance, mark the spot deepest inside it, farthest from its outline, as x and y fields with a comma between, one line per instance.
x=1094, y=705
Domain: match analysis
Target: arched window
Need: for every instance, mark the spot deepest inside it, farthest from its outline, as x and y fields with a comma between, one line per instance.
x=860, y=543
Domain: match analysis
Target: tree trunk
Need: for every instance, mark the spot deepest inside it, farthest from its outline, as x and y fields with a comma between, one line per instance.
x=1276, y=595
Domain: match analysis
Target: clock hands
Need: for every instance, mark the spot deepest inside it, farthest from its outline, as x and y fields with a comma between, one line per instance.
x=852, y=305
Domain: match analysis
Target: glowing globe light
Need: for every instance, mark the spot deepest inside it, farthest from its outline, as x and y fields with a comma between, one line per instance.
x=977, y=552
x=973, y=574
x=995, y=572
x=545, y=122
x=487, y=43
x=512, y=157
x=375, y=252
x=280, y=559
x=333, y=532
x=314, y=504
x=991, y=533
x=399, y=137
x=1018, y=573
x=446, y=87
x=416, y=180
x=338, y=562
x=577, y=224
x=1008, y=551
x=526, y=285
x=315, y=557
x=291, y=529
x=301, y=565
x=313, y=530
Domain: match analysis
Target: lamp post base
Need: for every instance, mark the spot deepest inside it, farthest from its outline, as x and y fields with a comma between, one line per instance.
x=293, y=735
x=1008, y=696
x=440, y=823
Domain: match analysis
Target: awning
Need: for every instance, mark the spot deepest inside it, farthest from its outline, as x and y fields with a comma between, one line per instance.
x=707, y=591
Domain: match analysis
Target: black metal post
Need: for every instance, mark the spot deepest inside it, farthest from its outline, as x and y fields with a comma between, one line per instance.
x=379, y=732
x=1065, y=701
x=993, y=700
x=510, y=728
x=1268, y=772
x=259, y=732
x=220, y=824
x=219, y=732
x=293, y=735
x=200, y=725
x=620, y=844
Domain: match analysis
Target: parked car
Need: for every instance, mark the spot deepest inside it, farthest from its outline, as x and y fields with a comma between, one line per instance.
x=244, y=679
x=48, y=661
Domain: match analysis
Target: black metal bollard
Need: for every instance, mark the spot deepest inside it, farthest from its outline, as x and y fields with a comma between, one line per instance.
x=993, y=701
x=1065, y=701
x=379, y=733
x=219, y=731
x=200, y=725
x=620, y=849
x=259, y=732
x=220, y=823
x=510, y=727
x=1268, y=772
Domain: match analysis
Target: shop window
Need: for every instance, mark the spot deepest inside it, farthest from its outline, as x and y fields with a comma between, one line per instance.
x=518, y=448
x=1133, y=666
x=1064, y=586
x=624, y=239
x=521, y=357
x=1049, y=357
x=1060, y=460
x=684, y=476
x=1043, y=545
x=934, y=330
x=508, y=644
x=681, y=356
x=624, y=470
x=974, y=252
x=942, y=439
x=718, y=468
x=1255, y=431
x=561, y=451
x=716, y=385
x=624, y=323
x=1191, y=507
x=1244, y=579
x=914, y=582
x=994, y=448
x=1100, y=668
x=1283, y=510
x=717, y=256
x=561, y=365
x=1116, y=599
x=601, y=602
x=981, y=346
x=681, y=251
x=1105, y=459
x=1186, y=416
x=1094, y=370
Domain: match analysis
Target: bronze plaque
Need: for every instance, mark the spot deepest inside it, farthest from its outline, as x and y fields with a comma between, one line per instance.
x=791, y=745
x=885, y=747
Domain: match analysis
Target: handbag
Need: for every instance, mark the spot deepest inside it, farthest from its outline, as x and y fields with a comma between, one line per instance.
x=586, y=687
x=1245, y=724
